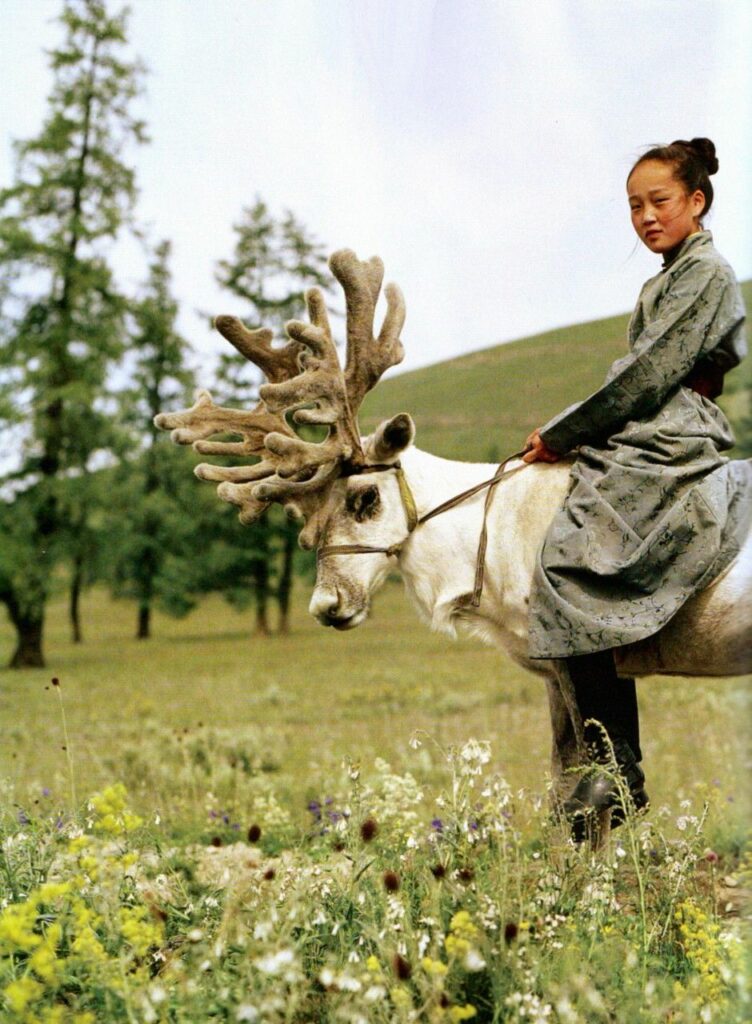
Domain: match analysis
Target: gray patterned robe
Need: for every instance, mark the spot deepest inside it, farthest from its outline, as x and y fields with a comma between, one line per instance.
x=654, y=512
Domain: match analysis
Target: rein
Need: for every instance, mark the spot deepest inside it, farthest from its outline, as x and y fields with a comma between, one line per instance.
x=414, y=520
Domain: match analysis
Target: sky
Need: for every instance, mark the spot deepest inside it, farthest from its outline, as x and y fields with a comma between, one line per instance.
x=480, y=148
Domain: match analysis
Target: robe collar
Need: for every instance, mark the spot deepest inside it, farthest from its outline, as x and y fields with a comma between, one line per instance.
x=693, y=241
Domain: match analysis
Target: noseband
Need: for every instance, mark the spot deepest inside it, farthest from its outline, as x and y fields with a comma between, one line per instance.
x=414, y=520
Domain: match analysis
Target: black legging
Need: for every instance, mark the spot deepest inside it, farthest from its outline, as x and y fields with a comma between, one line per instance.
x=603, y=695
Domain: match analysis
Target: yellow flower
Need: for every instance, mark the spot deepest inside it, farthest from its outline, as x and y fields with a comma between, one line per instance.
x=373, y=965
x=401, y=997
x=44, y=962
x=435, y=967
x=458, y=1013
x=22, y=992
x=141, y=933
x=111, y=810
x=462, y=936
x=699, y=938
x=17, y=923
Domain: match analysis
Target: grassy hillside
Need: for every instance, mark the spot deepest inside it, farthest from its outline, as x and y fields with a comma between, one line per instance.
x=483, y=405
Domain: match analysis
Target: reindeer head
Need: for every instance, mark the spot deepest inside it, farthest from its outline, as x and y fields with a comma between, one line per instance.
x=337, y=484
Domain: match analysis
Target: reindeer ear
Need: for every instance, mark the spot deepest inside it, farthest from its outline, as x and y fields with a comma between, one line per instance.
x=390, y=439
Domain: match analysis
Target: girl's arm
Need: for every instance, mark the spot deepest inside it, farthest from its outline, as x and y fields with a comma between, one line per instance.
x=695, y=315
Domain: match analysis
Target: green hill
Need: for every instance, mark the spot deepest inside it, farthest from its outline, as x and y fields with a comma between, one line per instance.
x=482, y=406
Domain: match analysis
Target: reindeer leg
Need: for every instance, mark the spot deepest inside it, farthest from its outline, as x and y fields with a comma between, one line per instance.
x=567, y=746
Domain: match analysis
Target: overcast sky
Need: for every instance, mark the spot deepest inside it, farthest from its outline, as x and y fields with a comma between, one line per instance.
x=480, y=148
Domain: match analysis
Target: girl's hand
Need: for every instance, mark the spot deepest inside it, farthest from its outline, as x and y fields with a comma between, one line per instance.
x=536, y=450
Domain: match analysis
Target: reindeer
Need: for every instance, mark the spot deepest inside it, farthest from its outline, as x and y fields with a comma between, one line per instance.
x=377, y=503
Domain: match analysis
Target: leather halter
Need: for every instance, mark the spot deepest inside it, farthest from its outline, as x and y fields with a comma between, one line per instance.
x=414, y=520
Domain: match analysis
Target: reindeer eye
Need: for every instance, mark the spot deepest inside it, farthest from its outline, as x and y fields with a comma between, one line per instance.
x=363, y=504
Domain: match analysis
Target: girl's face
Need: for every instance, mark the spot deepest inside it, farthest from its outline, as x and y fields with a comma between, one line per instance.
x=663, y=213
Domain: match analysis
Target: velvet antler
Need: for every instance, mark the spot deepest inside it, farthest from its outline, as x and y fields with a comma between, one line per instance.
x=305, y=378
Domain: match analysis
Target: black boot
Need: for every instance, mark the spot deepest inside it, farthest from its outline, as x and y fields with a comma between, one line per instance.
x=612, y=702
x=614, y=780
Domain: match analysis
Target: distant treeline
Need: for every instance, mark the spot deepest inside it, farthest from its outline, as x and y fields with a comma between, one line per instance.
x=90, y=492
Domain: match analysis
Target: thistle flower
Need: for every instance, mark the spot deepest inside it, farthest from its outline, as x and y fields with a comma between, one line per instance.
x=401, y=967
x=391, y=881
x=369, y=830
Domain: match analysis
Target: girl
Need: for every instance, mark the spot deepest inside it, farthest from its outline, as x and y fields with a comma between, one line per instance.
x=654, y=511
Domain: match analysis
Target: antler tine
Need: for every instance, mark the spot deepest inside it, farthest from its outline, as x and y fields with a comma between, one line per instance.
x=318, y=395
x=367, y=357
x=276, y=364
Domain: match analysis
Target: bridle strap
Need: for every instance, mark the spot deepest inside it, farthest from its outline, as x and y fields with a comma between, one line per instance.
x=414, y=520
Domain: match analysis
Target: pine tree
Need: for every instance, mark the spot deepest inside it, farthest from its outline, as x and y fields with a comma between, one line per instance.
x=273, y=264
x=63, y=315
x=160, y=529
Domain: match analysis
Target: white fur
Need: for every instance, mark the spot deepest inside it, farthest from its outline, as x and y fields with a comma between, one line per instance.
x=709, y=636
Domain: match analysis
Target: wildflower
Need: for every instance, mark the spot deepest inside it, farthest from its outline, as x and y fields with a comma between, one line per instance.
x=511, y=931
x=269, y=874
x=460, y=1013
x=274, y=963
x=391, y=881
x=437, y=968
x=140, y=933
x=246, y=1012
x=401, y=967
x=437, y=825
x=111, y=810
x=438, y=870
x=473, y=756
x=254, y=833
x=22, y=992
x=369, y=830
x=466, y=875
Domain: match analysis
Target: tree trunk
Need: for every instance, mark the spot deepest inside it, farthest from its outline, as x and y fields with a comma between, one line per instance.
x=261, y=595
x=29, y=629
x=144, y=622
x=75, y=600
x=284, y=590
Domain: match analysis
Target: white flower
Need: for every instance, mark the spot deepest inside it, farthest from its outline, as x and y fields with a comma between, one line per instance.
x=474, y=961
x=247, y=1012
x=195, y=935
x=158, y=994
x=273, y=963
x=374, y=994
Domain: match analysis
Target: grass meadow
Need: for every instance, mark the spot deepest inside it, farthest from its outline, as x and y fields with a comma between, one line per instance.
x=350, y=827
x=212, y=826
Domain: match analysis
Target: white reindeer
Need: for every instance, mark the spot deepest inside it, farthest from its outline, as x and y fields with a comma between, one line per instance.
x=364, y=501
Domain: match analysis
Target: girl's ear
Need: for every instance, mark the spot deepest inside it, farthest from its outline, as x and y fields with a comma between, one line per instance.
x=697, y=202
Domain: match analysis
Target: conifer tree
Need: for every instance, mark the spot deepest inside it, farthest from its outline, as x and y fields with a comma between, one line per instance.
x=62, y=312
x=273, y=264
x=155, y=485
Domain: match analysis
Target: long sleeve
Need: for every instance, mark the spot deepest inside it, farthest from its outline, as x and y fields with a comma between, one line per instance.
x=699, y=311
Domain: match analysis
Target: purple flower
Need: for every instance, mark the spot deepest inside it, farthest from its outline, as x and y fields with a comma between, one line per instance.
x=437, y=825
x=46, y=791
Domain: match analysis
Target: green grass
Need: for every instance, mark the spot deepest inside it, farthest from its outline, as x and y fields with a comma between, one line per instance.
x=213, y=730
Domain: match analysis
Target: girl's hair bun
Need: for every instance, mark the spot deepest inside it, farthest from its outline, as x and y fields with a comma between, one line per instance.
x=705, y=151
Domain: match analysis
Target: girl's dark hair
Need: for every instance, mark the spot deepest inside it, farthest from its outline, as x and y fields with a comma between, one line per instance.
x=693, y=163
